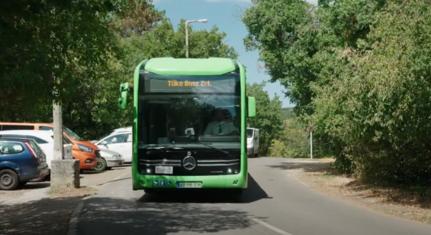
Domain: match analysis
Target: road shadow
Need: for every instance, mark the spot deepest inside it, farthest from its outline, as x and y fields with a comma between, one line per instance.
x=46, y=216
x=119, y=216
x=307, y=166
x=253, y=193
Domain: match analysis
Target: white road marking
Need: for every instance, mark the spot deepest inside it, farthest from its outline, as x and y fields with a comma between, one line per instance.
x=271, y=227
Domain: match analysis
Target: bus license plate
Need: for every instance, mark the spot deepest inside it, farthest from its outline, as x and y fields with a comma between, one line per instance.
x=166, y=170
x=189, y=184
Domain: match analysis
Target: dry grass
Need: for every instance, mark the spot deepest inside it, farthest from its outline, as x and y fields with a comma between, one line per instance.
x=72, y=192
x=411, y=203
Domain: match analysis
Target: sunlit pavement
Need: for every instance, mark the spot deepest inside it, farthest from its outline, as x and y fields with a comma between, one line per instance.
x=274, y=203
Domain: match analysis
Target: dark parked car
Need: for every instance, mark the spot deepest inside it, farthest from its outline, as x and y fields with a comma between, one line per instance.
x=21, y=160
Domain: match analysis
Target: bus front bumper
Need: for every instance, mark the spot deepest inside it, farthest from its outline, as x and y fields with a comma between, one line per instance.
x=198, y=181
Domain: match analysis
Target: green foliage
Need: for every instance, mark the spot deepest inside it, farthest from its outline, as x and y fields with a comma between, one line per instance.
x=359, y=72
x=274, y=29
x=268, y=116
x=78, y=52
x=164, y=41
x=50, y=50
x=277, y=149
x=299, y=43
x=287, y=113
x=383, y=120
x=292, y=142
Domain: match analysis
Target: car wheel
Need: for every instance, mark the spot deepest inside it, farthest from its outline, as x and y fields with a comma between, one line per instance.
x=8, y=179
x=101, y=165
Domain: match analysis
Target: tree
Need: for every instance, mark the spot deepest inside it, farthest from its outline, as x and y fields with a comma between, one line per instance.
x=379, y=112
x=51, y=50
x=268, y=116
x=160, y=40
x=300, y=44
x=358, y=71
x=83, y=50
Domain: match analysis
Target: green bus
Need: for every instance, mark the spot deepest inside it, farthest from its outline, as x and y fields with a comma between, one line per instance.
x=189, y=126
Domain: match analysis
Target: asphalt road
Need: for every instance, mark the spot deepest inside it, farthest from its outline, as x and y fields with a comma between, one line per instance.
x=274, y=203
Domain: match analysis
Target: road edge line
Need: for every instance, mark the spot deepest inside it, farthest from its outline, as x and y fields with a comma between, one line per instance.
x=271, y=227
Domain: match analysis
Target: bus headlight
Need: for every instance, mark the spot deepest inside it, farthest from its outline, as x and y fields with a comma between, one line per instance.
x=148, y=171
x=229, y=171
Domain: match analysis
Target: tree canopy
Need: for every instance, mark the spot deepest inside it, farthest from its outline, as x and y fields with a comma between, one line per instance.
x=358, y=72
x=78, y=52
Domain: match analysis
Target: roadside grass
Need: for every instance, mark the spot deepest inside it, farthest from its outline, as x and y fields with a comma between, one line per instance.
x=409, y=202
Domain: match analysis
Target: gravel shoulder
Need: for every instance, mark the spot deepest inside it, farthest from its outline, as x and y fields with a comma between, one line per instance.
x=391, y=201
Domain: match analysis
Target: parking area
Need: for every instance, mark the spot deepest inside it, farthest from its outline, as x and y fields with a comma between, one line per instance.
x=33, y=208
x=89, y=181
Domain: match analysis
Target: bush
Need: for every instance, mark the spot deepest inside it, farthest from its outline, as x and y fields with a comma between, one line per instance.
x=379, y=112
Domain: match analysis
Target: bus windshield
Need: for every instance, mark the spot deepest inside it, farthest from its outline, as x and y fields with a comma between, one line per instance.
x=184, y=120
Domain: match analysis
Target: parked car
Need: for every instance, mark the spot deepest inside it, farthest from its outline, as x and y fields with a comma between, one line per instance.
x=21, y=160
x=85, y=151
x=108, y=159
x=120, y=141
x=252, y=142
x=45, y=140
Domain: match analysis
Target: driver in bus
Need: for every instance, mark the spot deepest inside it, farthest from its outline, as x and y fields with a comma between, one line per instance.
x=222, y=124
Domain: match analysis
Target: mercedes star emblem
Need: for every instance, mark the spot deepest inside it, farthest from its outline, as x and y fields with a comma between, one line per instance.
x=189, y=162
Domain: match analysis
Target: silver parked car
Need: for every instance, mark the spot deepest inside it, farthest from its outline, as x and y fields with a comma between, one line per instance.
x=108, y=159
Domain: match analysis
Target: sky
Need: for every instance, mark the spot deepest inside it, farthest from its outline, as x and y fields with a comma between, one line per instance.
x=226, y=15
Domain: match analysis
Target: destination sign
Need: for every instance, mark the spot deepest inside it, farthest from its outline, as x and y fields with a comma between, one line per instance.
x=176, y=83
x=203, y=84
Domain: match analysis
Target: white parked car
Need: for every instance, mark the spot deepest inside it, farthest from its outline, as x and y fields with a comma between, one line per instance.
x=252, y=142
x=45, y=140
x=120, y=141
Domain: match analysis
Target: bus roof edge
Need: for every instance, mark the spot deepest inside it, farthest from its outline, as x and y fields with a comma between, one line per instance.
x=190, y=66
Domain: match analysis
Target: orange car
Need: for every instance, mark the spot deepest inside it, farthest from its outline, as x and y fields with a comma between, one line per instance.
x=85, y=151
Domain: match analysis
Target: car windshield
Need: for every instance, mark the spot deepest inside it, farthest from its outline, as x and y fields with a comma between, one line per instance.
x=198, y=120
x=249, y=133
x=72, y=134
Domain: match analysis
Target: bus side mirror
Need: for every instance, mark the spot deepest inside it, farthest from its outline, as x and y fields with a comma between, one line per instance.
x=124, y=94
x=251, y=107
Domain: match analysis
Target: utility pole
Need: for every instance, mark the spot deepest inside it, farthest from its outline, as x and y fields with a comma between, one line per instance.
x=57, y=115
x=187, y=32
x=64, y=172
x=311, y=143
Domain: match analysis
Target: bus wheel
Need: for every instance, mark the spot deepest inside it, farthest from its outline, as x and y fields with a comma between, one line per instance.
x=8, y=179
x=101, y=165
